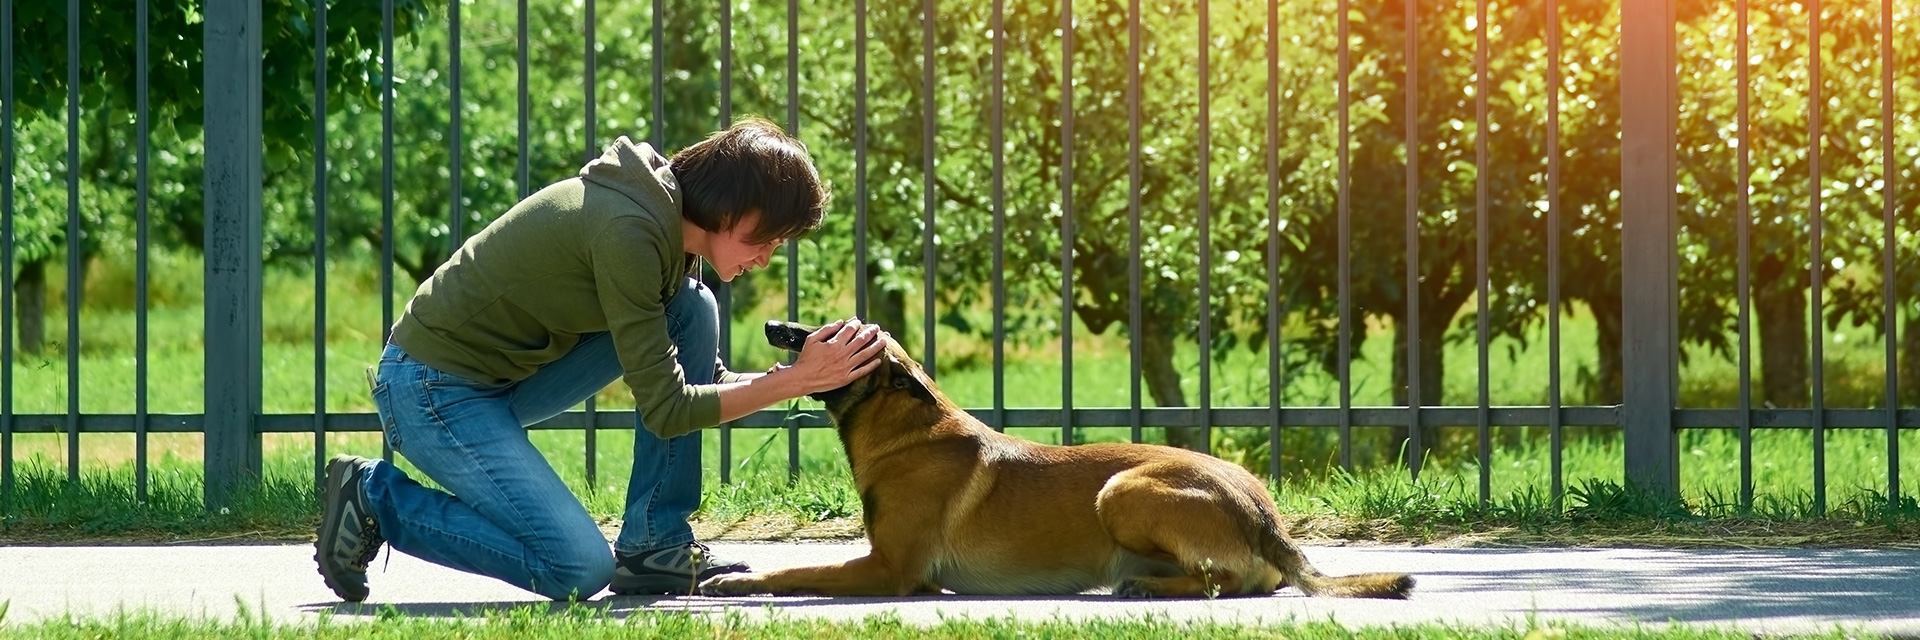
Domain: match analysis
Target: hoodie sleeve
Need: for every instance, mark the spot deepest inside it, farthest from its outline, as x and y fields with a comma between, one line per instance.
x=723, y=376
x=628, y=278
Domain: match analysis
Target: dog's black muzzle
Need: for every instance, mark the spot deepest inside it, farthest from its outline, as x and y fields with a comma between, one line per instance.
x=791, y=336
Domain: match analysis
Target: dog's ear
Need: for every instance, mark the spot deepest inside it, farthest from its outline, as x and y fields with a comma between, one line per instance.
x=902, y=378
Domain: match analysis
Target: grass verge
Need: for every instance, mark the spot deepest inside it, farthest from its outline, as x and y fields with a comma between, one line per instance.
x=589, y=621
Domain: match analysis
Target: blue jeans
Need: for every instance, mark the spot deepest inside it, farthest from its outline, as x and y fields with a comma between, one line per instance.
x=505, y=513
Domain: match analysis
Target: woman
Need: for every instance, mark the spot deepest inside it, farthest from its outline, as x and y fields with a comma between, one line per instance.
x=588, y=280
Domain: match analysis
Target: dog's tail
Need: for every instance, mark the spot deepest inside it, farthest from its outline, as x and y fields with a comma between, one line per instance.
x=1280, y=551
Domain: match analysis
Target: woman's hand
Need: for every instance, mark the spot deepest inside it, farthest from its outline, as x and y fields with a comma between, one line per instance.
x=836, y=355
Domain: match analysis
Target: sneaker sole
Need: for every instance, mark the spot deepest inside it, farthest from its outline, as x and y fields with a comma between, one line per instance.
x=663, y=587
x=336, y=469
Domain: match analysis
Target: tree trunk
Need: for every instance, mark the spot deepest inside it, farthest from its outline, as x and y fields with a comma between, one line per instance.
x=888, y=308
x=1163, y=381
x=419, y=271
x=1432, y=367
x=1909, y=366
x=1606, y=386
x=1432, y=373
x=30, y=305
x=1781, y=310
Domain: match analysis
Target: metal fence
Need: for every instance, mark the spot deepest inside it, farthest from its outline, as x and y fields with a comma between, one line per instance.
x=1649, y=416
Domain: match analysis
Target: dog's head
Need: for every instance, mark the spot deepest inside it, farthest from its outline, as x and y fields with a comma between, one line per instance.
x=898, y=376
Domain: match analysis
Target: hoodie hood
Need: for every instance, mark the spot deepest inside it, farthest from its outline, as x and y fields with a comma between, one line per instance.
x=641, y=174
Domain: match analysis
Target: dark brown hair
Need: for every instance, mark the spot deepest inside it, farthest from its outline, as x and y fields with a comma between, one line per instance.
x=751, y=166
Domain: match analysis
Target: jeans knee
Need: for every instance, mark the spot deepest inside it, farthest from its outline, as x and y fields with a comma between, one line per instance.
x=579, y=575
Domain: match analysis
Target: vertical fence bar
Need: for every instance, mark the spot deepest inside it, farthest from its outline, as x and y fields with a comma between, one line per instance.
x=793, y=248
x=1206, y=244
x=1553, y=251
x=659, y=124
x=6, y=247
x=1066, y=222
x=1887, y=253
x=860, y=275
x=999, y=141
x=1345, y=215
x=524, y=175
x=1412, y=330
x=457, y=218
x=590, y=71
x=386, y=169
x=793, y=128
x=1648, y=245
x=233, y=212
x=74, y=246
x=1275, y=381
x=1743, y=222
x=725, y=289
x=1816, y=222
x=1673, y=220
x=386, y=184
x=1484, y=435
x=593, y=150
x=319, y=244
x=1135, y=309
x=928, y=112
x=142, y=191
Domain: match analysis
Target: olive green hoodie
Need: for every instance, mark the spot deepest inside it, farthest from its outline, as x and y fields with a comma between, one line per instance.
x=599, y=252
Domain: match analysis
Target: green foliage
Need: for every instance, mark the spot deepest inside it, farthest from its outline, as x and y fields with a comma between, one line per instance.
x=109, y=60
x=107, y=142
x=1852, y=186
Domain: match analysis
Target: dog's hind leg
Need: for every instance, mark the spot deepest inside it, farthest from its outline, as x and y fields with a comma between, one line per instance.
x=1204, y=584
x=1170, y=514
x=1166, y=513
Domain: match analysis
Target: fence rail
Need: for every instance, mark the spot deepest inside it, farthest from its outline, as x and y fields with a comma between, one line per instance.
x=1650, y=414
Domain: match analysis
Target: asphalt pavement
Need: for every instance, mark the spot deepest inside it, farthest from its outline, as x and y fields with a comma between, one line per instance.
x=1770, y=591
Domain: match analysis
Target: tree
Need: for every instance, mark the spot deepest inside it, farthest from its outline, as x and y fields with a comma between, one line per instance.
x=108, y=62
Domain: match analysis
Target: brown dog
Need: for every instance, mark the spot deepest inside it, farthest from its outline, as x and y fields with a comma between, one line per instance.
x=951, y=504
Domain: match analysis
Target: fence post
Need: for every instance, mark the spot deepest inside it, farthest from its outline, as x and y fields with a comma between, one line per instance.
x=232, y=95
x=1649, y=287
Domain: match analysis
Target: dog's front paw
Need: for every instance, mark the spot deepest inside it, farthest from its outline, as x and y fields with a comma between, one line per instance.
x=733, y=584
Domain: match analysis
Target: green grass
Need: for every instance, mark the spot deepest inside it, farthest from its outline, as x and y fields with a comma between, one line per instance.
x=589, y=621
x=1444, y=501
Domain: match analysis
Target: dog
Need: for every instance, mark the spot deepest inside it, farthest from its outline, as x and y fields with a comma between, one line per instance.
x=952, y=505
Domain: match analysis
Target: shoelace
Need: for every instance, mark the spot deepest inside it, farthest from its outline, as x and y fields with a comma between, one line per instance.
x=370, y=541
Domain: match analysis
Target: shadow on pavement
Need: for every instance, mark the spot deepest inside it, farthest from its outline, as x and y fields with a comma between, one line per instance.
x=622, y=606
x=1835, y=584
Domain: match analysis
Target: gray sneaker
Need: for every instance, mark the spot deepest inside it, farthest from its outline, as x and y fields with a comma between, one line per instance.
x=668, y=571
x=348, y=537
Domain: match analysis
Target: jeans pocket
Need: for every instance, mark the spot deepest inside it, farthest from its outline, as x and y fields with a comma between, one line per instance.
x=383, y=405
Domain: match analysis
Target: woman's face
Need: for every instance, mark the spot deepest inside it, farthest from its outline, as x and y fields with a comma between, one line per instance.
x=734, y=253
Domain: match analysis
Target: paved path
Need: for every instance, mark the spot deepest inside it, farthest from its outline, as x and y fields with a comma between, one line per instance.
x=1772, y=591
